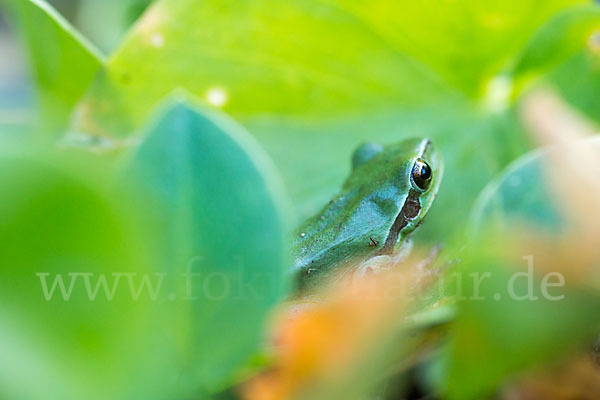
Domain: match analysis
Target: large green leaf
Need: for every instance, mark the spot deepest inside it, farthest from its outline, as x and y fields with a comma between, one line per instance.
x=63, y=63
x=214, y=208
x=317, y=57
x=467, y=42
x=87, y=337
x=302, y=58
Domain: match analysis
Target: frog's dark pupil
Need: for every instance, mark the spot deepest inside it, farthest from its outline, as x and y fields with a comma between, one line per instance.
x=421, y=174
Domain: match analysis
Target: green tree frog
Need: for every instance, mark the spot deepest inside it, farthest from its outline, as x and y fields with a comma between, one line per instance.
x=385, y=198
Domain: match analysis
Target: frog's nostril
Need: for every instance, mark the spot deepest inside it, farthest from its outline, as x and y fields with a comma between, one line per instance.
x=426, y=146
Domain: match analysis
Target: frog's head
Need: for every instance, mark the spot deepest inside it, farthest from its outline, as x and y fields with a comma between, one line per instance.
x=397, y=185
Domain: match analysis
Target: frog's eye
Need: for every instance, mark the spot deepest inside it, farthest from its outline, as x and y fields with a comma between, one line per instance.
x=421, y=175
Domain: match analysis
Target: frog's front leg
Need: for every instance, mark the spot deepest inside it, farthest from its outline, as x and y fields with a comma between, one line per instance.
x=373, y=265
x=377, y=264
x=426, y=265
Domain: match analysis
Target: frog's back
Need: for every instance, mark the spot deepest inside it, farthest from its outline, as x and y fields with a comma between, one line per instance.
x=320, y=240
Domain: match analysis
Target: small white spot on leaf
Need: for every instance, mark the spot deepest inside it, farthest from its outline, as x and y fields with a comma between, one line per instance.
x=217, y=97
x=158, y=40
x=498, y=92
x=594, y=42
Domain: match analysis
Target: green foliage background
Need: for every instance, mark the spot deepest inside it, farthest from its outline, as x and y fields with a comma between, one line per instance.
x=150, y=170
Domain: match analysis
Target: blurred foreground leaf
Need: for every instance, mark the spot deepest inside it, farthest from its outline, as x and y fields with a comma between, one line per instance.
x=522, y=313
x=531, y=275
x=71, y=259
x=347, y=344
x=578, y=378
x=215, y=210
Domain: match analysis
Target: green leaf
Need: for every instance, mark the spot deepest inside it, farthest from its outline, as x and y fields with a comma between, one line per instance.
x=215, y=210
x=55, y=344
x=63, y=64
x=560, y=38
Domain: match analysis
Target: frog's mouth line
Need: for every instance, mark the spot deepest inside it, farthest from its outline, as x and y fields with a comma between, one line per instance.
x=409, y=212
